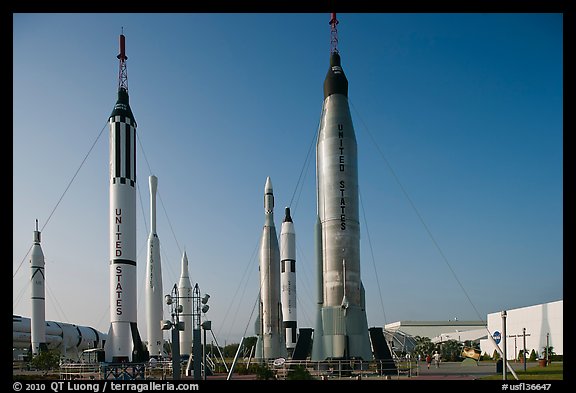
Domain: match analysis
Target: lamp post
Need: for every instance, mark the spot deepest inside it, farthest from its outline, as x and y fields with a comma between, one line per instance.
x=175, y=325
x=504, y=361
x=206, y=325
x=524, y=351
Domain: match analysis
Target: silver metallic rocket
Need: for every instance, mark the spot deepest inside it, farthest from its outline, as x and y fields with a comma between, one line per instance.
x=123, y=343
x=342, y=327
x=38, y=320
x=153, y=287
x=270, y=343
x=288, y=280
x=185, y=293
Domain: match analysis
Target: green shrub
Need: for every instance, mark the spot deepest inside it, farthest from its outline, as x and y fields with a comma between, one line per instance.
x=495, y=355
x=298, y=373
x=263, y=372
x=46, y=360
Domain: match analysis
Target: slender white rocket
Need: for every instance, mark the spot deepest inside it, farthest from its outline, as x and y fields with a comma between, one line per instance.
x=37, y=278
x=123, y=343
x=153, y=287
x=272, y=337
x=185, y=294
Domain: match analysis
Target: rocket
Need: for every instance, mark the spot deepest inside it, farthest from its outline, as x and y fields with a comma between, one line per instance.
x=123, y=343
x=38, y=320
x=342, y=327
x=69, y=339
x=185, y=293
x=153, y=286
x=270, y=343
x=288, y=280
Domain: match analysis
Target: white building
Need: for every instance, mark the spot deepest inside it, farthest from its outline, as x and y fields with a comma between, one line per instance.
x=543, y=324
x=400, y=335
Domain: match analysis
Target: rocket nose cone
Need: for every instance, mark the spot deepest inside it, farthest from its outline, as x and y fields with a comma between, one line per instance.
x=268, y=186
x=184, y=266
x=335, y=59
x=335, y=81
x=122, y=107
x=287, y=217
x=268, y=198
x=153, y=181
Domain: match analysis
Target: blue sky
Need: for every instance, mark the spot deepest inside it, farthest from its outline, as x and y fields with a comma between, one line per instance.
x=458, y=119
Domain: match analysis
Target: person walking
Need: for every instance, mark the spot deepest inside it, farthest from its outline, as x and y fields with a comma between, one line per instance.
x=428, y=360
x=436, y=359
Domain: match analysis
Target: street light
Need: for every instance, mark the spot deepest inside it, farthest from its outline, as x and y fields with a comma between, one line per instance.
x=504, y=345
x=524, y=351
x=175, y=325
x=205, y=306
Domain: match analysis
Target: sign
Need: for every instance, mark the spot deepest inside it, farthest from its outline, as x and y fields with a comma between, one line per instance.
x=497, y=336
x=279, y=362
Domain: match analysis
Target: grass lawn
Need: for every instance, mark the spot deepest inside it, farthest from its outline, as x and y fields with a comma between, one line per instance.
x=554, y=371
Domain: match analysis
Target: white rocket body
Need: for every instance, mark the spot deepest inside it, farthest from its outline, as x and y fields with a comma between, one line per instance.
x=185, y=294
x=272, y=344
x=288, y=280
x=123, y=308
x=123, y=343
x=153, y=286
x=38, y=321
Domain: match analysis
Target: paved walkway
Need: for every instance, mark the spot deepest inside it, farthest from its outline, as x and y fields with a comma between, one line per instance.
x=459, y=370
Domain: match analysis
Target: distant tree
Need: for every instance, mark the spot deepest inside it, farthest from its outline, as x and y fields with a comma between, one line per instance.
x=485, y=356
x=495, y=355
x=46, y=360
x=533, y=356
x=264, y=372
x=230, y=350
x=298, y=373
x=214, y=349
x=521, y=355
x=548, y=353
x=424, y=346
x=451, y=351
x=249, y=342
x=472, y=344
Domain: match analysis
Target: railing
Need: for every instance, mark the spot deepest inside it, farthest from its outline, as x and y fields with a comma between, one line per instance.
x=349, y=369
x=70, y=371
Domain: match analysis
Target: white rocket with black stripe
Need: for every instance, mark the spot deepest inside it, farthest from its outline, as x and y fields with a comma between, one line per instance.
x=288, y=279
x=123, y=343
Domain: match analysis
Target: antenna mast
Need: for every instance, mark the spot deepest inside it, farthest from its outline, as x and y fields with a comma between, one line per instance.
x=123, y=74
x=333, y=33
